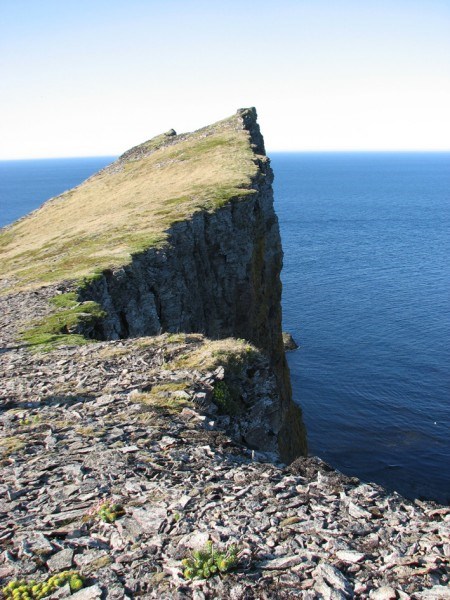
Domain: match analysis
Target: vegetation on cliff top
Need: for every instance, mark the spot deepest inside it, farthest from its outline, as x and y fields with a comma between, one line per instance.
x=128, y=207
x=61, y=327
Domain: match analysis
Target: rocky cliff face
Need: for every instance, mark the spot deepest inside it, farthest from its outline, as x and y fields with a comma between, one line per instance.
x=219, y=275
x=179, y=235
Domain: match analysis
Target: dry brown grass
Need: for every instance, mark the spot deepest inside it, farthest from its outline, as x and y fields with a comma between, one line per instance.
x=212, y=353
x=9, y=445
x=118, y=212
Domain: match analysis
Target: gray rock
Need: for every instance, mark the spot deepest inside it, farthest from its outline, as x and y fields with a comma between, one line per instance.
x=350, y=556
x=61, y=560
x=334, y=578
x=286, y=562
x=150, y=518
x=288, y=342
x=37, y=543
x=198, y=540
x=437, y=592
x=383, y=593
x=292, y=525
x=90, y=593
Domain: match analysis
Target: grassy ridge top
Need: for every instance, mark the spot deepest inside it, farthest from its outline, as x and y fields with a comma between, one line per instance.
x=128, y=207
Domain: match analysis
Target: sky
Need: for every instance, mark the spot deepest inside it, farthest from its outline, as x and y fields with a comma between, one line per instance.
x=96, y=77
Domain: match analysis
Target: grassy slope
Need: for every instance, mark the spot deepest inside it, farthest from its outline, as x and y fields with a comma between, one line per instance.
x=127, y=208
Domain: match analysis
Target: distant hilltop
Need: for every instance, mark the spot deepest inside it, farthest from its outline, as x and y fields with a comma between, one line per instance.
x=129, y=206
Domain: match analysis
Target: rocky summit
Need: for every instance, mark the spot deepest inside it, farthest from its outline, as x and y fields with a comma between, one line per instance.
x=149, y=444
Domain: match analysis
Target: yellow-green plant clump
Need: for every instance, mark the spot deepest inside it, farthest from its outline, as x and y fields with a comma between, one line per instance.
x=21, y=589
x=208, y=562
x=108, y=512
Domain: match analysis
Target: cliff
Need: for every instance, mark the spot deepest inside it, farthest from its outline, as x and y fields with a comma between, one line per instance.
x=178, y=235
x=121, y=457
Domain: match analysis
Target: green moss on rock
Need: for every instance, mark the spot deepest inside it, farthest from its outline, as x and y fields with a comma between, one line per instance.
x=63, y=326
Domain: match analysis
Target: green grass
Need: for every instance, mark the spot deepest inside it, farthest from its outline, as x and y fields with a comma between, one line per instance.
x=162, y=399
x=68, y=300
x=59, y=328
x=231, y=353
x=227, y=399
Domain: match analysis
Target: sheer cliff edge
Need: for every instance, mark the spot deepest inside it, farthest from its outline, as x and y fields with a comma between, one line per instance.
x=179, y=236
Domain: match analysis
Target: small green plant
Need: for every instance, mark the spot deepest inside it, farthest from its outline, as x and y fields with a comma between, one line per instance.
x=208, y=562
x=109, y=512
x=29, y=421
x=20, y=589
x=224, y=400
x=61, y=327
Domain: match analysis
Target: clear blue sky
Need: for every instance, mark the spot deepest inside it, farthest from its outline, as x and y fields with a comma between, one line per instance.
x=95, y=77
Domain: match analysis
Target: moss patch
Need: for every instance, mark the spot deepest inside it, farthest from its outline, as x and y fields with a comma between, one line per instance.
x=226, y=399
x=60, y=327
x=89, y=432
x=162, y=399
x=9, y=445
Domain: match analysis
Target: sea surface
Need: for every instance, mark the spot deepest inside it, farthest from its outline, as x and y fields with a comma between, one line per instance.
x=366, y=293
x=366, y=287
x=26, y=184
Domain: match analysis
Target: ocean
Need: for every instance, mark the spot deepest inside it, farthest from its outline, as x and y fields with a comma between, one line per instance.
x=366, y=286
x=366, y=282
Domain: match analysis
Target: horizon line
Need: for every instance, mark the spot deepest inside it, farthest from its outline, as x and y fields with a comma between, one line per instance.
x=304, y=151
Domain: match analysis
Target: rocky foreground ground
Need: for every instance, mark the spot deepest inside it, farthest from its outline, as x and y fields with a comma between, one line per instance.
x=122, y=423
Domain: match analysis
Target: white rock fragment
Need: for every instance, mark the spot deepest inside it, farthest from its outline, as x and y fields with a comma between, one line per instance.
x=334, y=578
x=383, y=593
x=198, y=540
x=350, y=556
x=437, y=592
x=285, y=562
x=151, y=518
x=128, y=449
x=357, y=512
x=90, y=593
x=167, y=441
x=61, y=560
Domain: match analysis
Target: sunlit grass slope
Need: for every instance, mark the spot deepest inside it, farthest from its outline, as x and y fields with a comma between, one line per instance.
x=127, y=207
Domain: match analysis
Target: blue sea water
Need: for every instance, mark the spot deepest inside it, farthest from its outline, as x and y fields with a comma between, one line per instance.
x=366, y=293
x=366, y=284
x=26, y=184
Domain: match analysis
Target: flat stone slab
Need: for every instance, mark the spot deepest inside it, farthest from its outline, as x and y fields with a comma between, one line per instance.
x=61, y=561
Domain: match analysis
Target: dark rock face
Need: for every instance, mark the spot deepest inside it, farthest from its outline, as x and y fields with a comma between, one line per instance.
x=219, y=275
